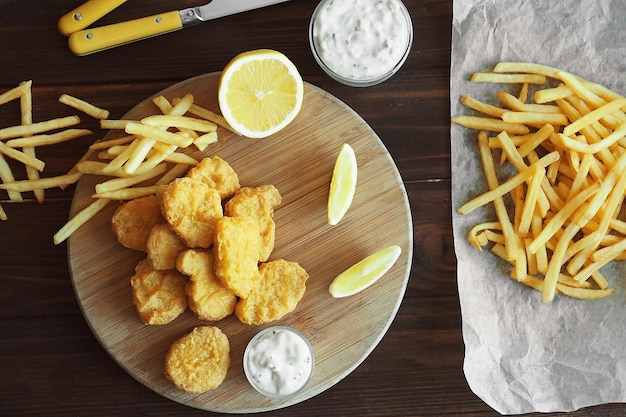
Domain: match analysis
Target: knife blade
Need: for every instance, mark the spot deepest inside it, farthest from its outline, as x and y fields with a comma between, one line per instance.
x=89, y=41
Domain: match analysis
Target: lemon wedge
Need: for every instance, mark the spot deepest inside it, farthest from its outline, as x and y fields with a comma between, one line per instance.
x=260, y=92
x=364, y=273
x=342, y=184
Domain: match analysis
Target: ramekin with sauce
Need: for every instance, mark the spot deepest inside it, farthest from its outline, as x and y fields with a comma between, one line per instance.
x=278, y=361
x=361, y=43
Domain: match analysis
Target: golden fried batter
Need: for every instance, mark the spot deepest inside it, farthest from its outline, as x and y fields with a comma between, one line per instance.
x=159, y=296
x=164, y=246
x=258, y=203
x=218, y=174
x=191, y=208
x=133, y=221
x=236, y=252
x=282, y=286
x=207, y=296
x=198, y=361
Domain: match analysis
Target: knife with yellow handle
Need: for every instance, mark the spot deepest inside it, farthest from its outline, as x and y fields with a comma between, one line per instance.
x=85, y=14
x=88, y=41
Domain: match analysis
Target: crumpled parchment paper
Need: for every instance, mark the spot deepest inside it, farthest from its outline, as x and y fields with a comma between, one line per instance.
x=523, y=355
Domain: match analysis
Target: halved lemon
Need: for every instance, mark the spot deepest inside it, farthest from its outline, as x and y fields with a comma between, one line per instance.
x=260, y=92
x=364, y=273
x=342, y=184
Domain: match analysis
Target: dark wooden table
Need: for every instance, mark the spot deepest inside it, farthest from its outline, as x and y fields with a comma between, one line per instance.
x=50, y=362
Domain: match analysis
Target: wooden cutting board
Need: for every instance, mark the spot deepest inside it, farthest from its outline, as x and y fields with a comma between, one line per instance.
x=299, y=162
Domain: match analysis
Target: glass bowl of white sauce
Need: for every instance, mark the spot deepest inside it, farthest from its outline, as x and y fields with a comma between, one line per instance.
x=278, y=361
x=360, y=43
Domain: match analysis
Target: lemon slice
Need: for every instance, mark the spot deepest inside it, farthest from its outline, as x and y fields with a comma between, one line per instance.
x=260, y=92
x=342, y=184
x=364, y=273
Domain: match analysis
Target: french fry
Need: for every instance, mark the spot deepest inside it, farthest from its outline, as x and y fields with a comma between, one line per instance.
x=484, y=108
x=201, y=142
x=526, y=118
x=105, y=144
x=507, y=186
x=180, y=122
x=52, y=139
x=85, y=107
x=127, y=193
x=527, y=67
x=114, y=124
x=516, y=104
x=490, y=77
x=490, y=124
x=163, y=104
x=125, y=182
x=209, y=115
x=176, y=171
x=78, y=220
x=140, y=151
x=50, y=182
x=585, y=293
x=139, y=129
x=15, y=92
x=182, y=106
x=24, y=158
x=552, y=94
x=26, y=110
x=6, y=175
x=36, y=128
x=501, y=212
x=594, y=116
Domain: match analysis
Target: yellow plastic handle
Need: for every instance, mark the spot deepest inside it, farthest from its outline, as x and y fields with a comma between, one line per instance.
x=85, y=14
x=105, y=37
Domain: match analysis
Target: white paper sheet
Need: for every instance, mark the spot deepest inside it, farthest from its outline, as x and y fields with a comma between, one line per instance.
x=523, y=355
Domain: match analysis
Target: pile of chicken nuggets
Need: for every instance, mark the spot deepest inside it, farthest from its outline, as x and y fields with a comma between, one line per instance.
x=207, y=241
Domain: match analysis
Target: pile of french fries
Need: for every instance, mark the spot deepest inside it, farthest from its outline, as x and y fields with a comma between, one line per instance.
x=559, y=216
x=145, y=154
x=19, y=143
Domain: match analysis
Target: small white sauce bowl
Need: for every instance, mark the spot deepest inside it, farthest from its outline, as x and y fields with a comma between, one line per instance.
x=323, y=52
x=268, y=354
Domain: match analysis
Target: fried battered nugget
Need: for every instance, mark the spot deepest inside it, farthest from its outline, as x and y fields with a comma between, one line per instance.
x=258, y=203
x=191, y=208
x=198, y=361
x=218, y=174
x=133, y=221
x=236, y=252
x=206, y=295
x=164, y=246
x=159, y=296
x=282, y=286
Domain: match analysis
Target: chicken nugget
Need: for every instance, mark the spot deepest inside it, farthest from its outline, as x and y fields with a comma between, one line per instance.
x=132, y=221
x=207, y=296
x=258, y=203
x=159, y=296
x=191, y=208
x=282, y=286
x=236, y=252
x=164, y=246
x=198, y=361
x=218, y=174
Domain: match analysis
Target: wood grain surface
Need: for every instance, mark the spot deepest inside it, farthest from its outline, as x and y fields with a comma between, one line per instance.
x=298, y=161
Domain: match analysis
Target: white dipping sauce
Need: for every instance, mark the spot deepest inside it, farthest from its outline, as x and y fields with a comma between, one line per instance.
x=361, y=39
x=279, y=361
